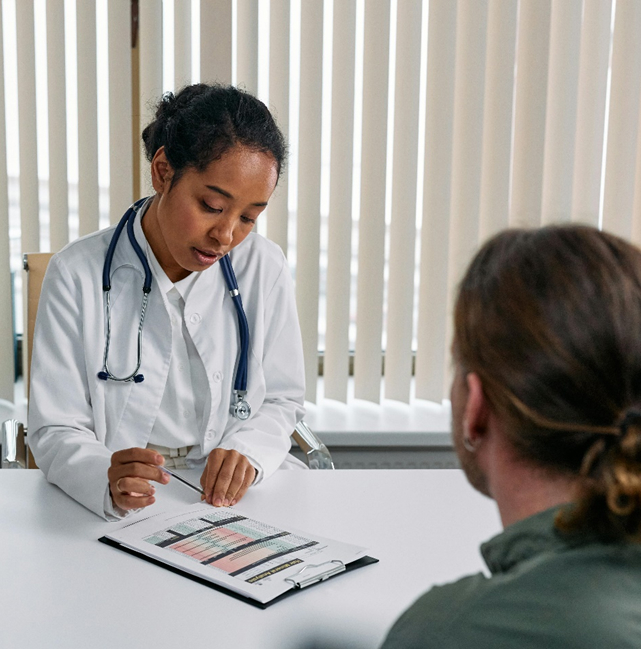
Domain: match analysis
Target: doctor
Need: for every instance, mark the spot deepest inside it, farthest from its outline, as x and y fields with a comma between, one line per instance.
x=216, y=155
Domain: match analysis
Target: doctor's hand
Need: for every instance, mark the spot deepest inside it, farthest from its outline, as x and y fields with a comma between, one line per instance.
x=129, y=476
x=226, y=477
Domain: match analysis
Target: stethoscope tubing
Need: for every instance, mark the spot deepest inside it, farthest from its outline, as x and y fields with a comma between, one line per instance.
x=134, y=376
x=128, y=221
x=240, y=383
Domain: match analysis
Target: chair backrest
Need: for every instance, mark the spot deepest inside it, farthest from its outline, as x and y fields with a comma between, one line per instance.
x=35, y=263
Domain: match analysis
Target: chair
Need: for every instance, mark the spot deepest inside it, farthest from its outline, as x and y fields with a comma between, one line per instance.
x=15, y=451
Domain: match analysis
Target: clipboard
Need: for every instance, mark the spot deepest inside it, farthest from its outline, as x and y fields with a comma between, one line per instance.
x=303, y=580
x=224, y=548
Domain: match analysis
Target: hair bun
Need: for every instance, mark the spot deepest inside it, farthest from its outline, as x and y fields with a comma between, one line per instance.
x=168, y=106
x=632, y=418
x=199, y=123
x=630, y=439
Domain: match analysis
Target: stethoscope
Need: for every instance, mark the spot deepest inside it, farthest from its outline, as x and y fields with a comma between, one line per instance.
x=239, y=408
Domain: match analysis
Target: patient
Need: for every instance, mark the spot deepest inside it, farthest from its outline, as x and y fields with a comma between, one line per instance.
x=546, y=405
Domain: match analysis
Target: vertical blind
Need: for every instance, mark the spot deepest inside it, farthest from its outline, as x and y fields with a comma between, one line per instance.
x=418, y=128
x=6, y=320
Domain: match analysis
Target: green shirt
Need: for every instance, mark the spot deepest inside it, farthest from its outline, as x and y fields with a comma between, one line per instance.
x=546, y=591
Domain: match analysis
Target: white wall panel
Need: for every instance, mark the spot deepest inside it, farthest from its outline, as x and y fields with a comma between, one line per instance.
x=467, y=144
x=120, y=110
x=182, y=43
x=532, y=54
x=279, y=37
x=560, y=125
x=57, y=106
x=623, y=124
x=28, y=145
x=594, y=61
x=247, y=45
x=88, y=190
x=371, y=229
x=497, y=117
x=215, y=41
x=150, y=43
x=27, y=128
x=309, y=176
x=439, y=110
x=6, y=312
x=339, y=253
x=400, y=302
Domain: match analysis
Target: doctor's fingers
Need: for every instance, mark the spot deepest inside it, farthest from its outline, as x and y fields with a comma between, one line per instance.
x=221, y=465
x=132, y=487
x=143, y=455
x=136, y=470
x=141, y=494
x=238, y=487
x=231, y=478
x=208, y=478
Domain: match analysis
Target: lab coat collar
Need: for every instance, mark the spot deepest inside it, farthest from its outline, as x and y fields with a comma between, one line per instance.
x=124, y=254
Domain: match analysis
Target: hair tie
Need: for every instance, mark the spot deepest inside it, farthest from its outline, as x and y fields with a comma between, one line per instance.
x=632, y=416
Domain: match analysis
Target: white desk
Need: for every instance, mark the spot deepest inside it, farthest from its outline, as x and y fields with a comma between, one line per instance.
x=60, y=587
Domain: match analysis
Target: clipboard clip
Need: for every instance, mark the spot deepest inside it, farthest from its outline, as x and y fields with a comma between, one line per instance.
x=308, y=580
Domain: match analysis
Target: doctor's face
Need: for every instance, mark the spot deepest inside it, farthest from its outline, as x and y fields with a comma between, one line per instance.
x=191, y=224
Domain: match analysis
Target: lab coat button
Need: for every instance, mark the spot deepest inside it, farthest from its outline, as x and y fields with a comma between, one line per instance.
x=218, y=377
x=195, y=318
x=209, y=435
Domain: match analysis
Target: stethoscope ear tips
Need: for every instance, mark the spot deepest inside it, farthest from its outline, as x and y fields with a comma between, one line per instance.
x=103, y=376
x=139, y=378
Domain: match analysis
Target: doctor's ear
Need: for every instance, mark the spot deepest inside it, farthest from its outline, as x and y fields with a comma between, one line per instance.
x=162, y=172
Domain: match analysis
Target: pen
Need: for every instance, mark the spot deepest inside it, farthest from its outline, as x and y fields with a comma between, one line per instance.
x=181, y=479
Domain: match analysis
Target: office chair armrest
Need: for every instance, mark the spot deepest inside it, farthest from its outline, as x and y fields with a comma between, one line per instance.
x=14, y=450
x=316, y=453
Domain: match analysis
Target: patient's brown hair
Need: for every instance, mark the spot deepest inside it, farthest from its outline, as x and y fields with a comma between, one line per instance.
x=550, y=320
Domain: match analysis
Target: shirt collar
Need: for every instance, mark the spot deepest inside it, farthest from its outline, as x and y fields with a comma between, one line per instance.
x=526, y=539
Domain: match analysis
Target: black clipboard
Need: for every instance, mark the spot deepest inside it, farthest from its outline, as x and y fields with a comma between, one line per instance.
x=359, y=563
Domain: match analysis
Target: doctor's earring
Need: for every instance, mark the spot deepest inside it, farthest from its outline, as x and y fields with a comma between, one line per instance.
x=467, y=441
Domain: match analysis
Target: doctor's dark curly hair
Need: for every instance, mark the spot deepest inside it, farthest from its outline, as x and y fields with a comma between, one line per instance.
x=202, y=122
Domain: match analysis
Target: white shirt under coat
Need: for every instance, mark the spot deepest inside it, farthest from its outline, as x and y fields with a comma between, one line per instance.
x=76, y=420
x=181, y=416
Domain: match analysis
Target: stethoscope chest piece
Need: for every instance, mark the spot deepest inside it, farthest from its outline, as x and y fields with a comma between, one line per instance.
x=240, y=408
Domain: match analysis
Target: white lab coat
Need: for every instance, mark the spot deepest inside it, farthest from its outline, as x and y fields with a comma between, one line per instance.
x=76, y=421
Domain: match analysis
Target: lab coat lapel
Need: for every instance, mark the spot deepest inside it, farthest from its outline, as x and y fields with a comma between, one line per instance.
x=143, y=399
x=215, y=337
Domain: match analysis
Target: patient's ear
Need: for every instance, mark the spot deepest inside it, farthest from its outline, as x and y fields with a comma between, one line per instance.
x=477, y=409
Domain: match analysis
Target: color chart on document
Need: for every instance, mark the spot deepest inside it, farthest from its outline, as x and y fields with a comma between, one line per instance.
x=238, y=546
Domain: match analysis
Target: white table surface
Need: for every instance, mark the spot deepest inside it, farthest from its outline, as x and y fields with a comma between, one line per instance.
x=59, y=587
